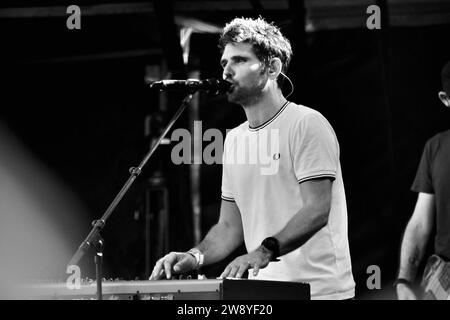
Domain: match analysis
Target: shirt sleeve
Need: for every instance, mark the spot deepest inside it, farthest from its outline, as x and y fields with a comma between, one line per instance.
x=423, y=181
x=227, y=190
x=315, y=149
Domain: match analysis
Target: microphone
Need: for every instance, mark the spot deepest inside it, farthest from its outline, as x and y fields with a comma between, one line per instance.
x=212, y=86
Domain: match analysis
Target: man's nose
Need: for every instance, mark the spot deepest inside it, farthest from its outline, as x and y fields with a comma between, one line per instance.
x=227, y=72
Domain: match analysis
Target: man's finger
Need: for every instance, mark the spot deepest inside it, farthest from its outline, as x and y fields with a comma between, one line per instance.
x=225, y=272
x=242, y=268
x=159, y=274
x=233, y=271
x=168, y=269
x=180, y=264
x=156, y=269
x=255, y=269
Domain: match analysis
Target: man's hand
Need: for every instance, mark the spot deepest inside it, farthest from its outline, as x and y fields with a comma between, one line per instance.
x=255, y=260
x=173, y=263
x=404, y=292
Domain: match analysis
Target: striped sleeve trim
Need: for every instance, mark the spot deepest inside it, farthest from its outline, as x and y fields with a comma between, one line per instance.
x=317, y=176
x=227, y=198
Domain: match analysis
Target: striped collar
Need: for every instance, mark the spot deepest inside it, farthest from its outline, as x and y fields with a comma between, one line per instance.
x=271, y=119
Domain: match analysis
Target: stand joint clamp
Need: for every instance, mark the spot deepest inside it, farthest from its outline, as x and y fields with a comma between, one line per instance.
x=135, y=171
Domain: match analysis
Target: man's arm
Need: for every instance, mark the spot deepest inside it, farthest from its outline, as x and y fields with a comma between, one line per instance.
x=224, y=237
x=415, y=239
x=221, y=240
x=313, y=216
x=316, y=197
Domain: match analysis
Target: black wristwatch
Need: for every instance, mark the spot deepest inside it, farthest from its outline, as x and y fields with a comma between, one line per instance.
x=402, y=280
x=273, y=245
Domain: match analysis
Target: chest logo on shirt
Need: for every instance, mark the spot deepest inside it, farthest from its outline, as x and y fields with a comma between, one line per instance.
x=259, y=149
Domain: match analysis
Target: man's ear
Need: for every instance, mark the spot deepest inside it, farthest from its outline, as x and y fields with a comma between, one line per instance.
x=275, y=66
x=444, y=98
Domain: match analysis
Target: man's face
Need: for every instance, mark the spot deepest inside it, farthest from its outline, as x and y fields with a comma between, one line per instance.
x=245, y=71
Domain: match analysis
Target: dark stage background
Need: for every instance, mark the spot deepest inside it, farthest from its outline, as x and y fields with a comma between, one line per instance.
x=77, y=101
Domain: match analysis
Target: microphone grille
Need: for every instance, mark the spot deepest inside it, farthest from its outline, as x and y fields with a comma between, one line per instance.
x=220, y=86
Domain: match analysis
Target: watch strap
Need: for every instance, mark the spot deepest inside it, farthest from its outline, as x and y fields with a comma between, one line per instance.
x=198, y=255
x=403, y=281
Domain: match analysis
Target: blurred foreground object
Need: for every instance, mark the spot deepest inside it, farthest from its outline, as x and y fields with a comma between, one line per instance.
x=38, y=220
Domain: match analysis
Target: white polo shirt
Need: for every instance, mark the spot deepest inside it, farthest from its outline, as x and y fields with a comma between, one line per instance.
x=262, y=169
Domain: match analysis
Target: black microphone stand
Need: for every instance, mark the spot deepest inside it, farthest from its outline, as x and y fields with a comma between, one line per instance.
x=94, y=238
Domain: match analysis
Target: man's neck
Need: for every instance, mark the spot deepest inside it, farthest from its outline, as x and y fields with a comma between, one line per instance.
x=265, y=108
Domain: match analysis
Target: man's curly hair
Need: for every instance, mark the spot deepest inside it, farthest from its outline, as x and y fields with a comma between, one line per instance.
x=266, y=38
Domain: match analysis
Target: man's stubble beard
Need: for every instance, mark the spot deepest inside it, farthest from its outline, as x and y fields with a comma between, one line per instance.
x=246, y=96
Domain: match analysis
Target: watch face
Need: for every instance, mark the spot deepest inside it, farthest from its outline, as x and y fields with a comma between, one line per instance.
x=271, y=244
x=268, y=243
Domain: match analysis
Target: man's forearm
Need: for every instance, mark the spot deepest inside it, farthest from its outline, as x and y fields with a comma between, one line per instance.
x=301, y=228
x=220, y=241
x=412, y=252
x=313, y=216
